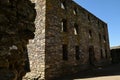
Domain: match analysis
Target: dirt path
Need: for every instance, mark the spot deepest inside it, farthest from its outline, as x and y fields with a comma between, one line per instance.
x=108, y=73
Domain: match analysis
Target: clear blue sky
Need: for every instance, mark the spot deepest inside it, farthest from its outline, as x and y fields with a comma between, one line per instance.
x=109, y=12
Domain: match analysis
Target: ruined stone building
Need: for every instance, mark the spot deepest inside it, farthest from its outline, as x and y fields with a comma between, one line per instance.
x=68, y=39
x=16, y=28
x=115, y=54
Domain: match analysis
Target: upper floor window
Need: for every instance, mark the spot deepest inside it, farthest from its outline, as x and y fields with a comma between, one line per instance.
x=99, y=37
x=98, y=23
x=63, y=5
x=76, y=31
x=104, y=37
x=90, y=33
x=88, y=17
x=103, y=26
x=64, y=25
x=75, y=11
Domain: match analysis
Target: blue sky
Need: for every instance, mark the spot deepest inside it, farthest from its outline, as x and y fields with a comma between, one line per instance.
x=109, y=12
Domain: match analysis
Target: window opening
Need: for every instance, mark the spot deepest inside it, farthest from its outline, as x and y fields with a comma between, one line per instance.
x=104, y=38
x=76, y=29
x=91, y=55
x=100, y=37
x=88, y=17
x=64, y=25
x=75, y=11
x=63, y=5
x=65, y=52
x=77, y=52
x=101, y=51
x=90, y=33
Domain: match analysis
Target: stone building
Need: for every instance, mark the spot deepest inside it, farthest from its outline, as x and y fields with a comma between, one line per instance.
x=115, y=54
x=68, y=39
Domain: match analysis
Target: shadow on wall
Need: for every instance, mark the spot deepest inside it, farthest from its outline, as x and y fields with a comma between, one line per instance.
x=16, y=28
x=111, y=70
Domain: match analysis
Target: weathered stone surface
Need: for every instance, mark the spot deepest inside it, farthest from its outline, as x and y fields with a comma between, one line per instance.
x=6, y=74
x=36, y=47
x=85, y=39
x=16, y=28
x=46, y=49
x=92, y=39
x=115, y=54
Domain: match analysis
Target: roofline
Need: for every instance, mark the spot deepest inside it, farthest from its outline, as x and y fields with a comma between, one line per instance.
x=89, y=12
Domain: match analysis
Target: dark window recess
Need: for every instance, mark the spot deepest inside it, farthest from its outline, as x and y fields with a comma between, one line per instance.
x=88, y=17
x=64, y=25
x=65, y=52
x=98, y=23
x=101, y=51
x=90, y=33
x=100, y=37
x=103, y=26
x=91, y=55
x=11, y=66
x=77, y=53
x=76, y=30
x=63, y=5
x=1, y=35
x=75, y=11
x=104, y=38
x=106, y=53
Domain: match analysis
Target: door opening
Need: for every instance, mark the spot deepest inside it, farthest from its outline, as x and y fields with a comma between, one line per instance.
x=91, y=55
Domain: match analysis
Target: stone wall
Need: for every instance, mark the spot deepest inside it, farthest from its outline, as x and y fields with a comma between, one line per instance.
x=115, y=54
x=68, y=39
x=16, y=28
x=36, y=47
x=89, y=42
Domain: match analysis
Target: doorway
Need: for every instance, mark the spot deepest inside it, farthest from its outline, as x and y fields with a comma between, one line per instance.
x=91, y=55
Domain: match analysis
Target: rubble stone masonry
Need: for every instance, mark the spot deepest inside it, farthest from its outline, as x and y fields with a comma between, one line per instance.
x=67, y=39
x=16, y=28
x=36, y=47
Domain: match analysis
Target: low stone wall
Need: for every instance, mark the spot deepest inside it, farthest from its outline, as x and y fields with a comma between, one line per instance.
x=16, y=28
x=115, y=55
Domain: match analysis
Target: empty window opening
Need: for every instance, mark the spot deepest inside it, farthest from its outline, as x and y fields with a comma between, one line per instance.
x=91, y=55
x=98, y=23
x=11, y=66
x=64, y=25
x=65, y=52
x=63, y=5
x=103, y=26
x=77, y=52
x=76, y=29
x=104, y=38
x=75, y=11
x=100, y=37
x=90, y=33
x=1, y=35
x=106, y=53
x=101, y=51
x=88, y=17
